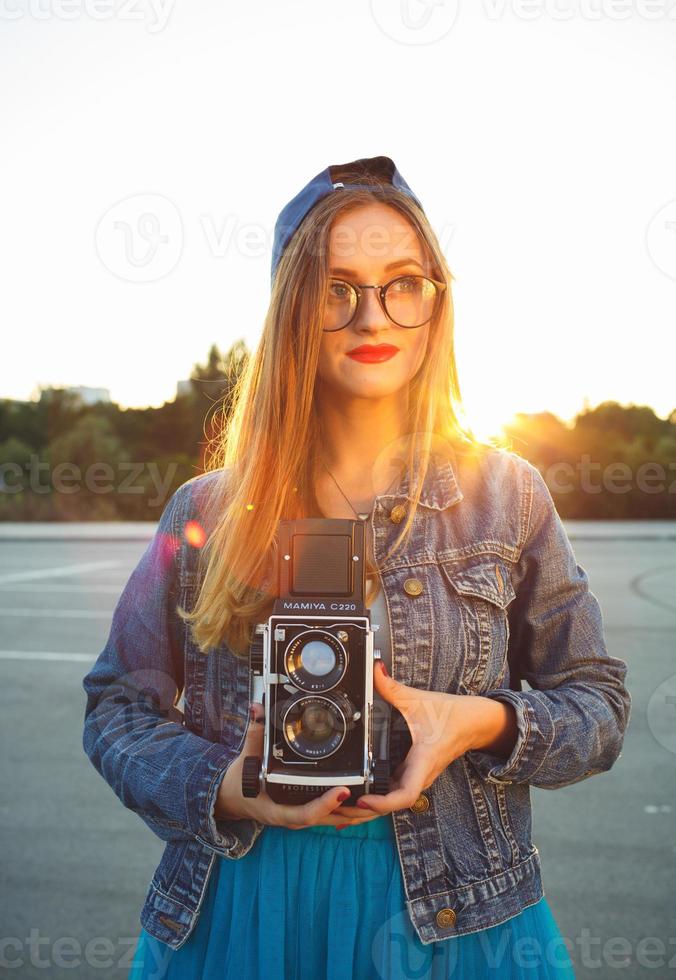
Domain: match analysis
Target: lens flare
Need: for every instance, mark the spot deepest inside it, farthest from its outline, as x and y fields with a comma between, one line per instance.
x=194, y=534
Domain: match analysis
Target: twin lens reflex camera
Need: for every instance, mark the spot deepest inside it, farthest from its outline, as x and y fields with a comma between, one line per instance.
x=312, y=668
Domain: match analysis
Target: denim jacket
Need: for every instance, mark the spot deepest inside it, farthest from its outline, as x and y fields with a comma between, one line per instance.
x=486, y=594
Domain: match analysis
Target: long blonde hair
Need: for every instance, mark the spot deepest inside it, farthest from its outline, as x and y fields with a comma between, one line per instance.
x=266, y=447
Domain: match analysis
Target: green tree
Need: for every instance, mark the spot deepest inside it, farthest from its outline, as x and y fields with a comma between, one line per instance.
x=85, y=471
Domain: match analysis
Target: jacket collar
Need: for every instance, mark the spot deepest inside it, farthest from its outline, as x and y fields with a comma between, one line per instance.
x=440, y=488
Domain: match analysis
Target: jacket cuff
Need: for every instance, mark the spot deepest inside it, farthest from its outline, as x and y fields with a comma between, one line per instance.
x=534, y=739
x=230, y=838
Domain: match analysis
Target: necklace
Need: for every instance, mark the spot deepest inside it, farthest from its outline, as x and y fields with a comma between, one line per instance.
x=362, y=517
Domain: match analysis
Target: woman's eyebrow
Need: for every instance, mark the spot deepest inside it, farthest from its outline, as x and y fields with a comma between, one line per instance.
x=388, y=267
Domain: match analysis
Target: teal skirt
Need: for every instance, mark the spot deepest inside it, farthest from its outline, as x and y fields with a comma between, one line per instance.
x=327, y=904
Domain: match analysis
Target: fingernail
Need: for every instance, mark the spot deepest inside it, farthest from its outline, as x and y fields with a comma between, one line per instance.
x=341, y=826
x=363, y=805
x=252, y=713
x=343, y=796
x=383, y=668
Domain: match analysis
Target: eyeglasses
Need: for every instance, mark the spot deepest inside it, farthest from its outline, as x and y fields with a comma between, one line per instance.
x=409, y=301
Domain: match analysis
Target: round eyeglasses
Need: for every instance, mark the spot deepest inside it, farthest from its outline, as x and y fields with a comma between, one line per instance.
x=409, y=301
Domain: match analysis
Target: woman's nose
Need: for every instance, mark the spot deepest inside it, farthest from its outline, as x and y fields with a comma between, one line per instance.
x=370, y=312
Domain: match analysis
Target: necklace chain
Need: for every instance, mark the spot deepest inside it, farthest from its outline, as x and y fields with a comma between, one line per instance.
x=362, y=517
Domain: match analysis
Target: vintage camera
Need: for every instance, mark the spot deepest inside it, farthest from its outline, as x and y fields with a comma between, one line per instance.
x=312, y=668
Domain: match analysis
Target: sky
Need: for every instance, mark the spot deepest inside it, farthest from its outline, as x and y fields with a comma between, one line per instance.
x=149, y=146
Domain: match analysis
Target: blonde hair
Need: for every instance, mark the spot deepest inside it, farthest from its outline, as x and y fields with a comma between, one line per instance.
x=267, y=446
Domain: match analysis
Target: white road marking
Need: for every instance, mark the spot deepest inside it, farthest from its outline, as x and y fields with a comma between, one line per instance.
x=46, y=655
x=37, y=573
x=58, y=613
x=42, y=587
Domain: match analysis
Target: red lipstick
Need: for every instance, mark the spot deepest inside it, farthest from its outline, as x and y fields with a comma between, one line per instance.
x=373, y=353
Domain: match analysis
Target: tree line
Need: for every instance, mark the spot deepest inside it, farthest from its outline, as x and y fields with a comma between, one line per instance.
x=61, y=460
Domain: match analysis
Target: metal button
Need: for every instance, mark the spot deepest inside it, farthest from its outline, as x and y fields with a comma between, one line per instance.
x=446, y=918
x=398, y=513
x=413, y=586
x=421, y=804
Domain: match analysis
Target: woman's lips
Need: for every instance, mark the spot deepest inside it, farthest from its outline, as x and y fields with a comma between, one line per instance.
x=375, y=356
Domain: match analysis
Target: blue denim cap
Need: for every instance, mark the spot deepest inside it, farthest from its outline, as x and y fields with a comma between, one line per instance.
x=293, y=213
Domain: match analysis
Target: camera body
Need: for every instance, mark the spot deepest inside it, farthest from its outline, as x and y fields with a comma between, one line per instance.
x=312, y=668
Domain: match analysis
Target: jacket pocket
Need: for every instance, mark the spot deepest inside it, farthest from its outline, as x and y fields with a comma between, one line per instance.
x=484, y=589
x=170, y=864
x=506, y=822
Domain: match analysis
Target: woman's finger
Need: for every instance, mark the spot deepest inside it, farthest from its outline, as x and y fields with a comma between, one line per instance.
x=314, y=811
x=405, y=789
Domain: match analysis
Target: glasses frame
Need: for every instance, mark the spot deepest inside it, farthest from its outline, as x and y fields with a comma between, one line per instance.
x=382, y=289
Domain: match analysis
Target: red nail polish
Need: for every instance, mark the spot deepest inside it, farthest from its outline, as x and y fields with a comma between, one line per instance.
x=383, y=668
x=343, y=796
x=341, y=826
x=363, y=805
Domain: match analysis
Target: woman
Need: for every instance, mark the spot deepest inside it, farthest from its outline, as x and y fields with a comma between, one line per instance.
x=473, y=584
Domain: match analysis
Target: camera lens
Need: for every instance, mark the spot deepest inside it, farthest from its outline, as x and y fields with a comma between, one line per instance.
x=318, y=658
x=314, y=726
x=315, y=661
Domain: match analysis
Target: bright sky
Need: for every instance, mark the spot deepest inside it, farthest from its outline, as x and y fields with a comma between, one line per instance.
x=539, y=136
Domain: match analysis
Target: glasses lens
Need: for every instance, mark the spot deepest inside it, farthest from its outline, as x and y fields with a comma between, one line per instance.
x=340, y=305
x=410, y=300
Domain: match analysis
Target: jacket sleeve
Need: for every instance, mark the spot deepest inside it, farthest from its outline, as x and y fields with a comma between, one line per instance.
x=571, y=723
x=157, y=767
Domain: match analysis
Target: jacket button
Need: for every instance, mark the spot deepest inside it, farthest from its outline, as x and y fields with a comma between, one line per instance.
x=446, y=918
x=421, y=804
x=413, y=586
x=398, y=513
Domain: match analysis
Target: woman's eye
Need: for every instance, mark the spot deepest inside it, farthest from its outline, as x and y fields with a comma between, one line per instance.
x=338, y=290
x=405, y=284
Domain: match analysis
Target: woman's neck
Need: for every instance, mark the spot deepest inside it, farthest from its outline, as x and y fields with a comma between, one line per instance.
x=357, y=435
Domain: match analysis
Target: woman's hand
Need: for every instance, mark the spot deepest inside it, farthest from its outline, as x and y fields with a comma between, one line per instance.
x=324, y=809
x=443, y=727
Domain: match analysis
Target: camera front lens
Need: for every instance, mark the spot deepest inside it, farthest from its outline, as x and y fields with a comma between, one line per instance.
x=315, y=661
x=317, y=658
x=315, y=727
x=316, y=723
